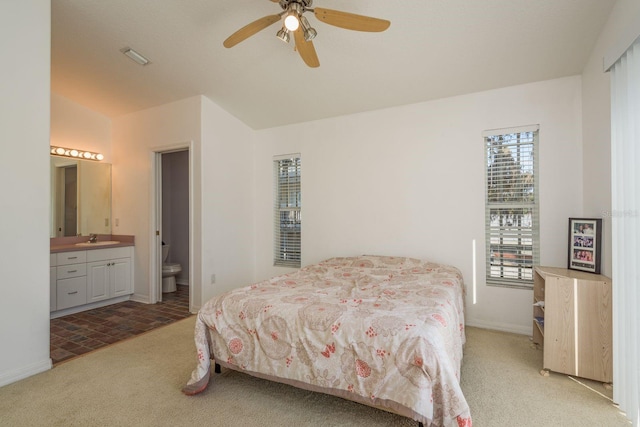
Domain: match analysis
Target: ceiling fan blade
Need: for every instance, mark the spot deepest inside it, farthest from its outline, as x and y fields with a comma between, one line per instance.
x=305, y=49
x=350, y=21
x=250, y=29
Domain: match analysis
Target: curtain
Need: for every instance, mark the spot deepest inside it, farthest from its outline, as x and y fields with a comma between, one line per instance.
x=625, y=193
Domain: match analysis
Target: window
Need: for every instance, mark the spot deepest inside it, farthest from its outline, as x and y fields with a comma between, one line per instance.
x=511, y=206
x=287, y=216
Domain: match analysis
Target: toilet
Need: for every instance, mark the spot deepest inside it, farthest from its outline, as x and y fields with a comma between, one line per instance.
x=169, y=272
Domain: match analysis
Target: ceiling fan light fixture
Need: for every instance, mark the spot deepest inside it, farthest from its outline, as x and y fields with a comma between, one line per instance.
x=292, y=16
x=292, y=22
x=309, y=32
x=283, y=35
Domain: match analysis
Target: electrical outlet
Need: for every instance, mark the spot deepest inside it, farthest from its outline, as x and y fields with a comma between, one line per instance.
x=213, y=279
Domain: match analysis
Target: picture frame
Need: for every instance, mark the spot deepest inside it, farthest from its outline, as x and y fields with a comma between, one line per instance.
x=585, y=236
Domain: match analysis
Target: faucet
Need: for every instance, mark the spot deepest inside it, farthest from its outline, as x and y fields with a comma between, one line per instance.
x=93, y=238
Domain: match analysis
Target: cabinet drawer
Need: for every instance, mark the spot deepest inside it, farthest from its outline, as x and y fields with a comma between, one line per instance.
x=108, y=254
x=71, y=270
x=71, y=292
x=75, y=257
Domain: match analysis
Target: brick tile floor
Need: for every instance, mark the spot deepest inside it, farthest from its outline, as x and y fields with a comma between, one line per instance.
x=80, y=333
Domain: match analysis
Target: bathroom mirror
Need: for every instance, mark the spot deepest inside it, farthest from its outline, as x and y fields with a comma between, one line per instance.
x=80, y=197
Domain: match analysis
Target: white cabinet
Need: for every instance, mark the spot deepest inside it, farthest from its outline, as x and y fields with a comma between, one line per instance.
x=71, y=279
x=71, y=292
x=120, y=276
x=81, y=280
x=99, y=280
x=53, y=262
x=108, y=273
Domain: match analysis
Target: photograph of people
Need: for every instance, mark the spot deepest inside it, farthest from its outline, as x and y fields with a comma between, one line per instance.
x=583, y=241
x=583, y=255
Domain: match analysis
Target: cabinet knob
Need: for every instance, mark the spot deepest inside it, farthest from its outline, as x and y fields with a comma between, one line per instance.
x=71, y=293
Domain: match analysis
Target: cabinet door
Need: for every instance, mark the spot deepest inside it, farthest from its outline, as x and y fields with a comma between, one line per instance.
x=120, y=272
x=559, y=325
x=594, y=340
x=98, y=286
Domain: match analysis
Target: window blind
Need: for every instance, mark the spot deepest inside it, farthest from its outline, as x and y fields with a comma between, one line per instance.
x=511, y=207
x=287, y=214
x=625, y=230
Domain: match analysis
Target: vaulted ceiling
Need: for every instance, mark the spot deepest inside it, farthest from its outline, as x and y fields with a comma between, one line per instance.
x=433, y=49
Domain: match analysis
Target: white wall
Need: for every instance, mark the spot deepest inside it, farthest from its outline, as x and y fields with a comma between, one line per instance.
x=596, y=120
x=410, y=181
x=227, y=201
x=222, y=203
x=75, y=126
x=24, y=182
x=135, y=138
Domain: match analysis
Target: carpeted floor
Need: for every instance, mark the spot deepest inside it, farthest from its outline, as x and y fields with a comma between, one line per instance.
x=137, y=383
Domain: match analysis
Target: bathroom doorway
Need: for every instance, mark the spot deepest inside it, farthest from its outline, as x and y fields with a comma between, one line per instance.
x=173, y=224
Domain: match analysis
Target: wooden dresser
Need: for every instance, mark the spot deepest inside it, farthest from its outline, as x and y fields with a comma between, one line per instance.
x=574, y=324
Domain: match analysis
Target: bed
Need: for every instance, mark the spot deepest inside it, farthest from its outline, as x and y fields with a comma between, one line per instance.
x=383, y=331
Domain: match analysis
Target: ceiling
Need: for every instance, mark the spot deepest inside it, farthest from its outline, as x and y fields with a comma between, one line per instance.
x=433, y=49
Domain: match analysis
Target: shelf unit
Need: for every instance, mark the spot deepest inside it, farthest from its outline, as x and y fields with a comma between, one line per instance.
x=574, y=327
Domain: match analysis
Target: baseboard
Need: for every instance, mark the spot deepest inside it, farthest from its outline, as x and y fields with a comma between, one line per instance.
x=25, y=371
x=85, y=307
x=503, y=327
x=140, y=298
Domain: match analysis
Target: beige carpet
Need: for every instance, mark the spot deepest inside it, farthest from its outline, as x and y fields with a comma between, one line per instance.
x=137, y=383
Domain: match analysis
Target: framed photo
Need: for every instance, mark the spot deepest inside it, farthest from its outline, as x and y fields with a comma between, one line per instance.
x=585, y=235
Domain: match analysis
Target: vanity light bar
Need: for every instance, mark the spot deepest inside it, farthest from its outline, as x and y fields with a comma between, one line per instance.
x=77, y=154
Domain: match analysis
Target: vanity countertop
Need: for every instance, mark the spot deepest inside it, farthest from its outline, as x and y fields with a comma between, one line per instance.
x=80, y=243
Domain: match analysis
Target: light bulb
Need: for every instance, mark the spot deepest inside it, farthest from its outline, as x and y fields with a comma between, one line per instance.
x=291, y=22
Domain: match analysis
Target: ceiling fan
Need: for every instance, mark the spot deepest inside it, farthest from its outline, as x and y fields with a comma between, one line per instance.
x=295, y=22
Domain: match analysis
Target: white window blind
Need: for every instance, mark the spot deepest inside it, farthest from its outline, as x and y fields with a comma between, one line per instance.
x=625, y=229
x=287, y=215
x=511, y=206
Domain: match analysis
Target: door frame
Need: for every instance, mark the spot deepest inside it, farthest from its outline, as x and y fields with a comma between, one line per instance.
x=155, y=232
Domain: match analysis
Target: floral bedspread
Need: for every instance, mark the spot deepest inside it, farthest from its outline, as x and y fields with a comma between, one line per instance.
x=387, y=331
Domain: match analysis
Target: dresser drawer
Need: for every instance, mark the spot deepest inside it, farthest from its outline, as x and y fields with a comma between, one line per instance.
x=71, y=292
x=75, y=257
x=71, y=270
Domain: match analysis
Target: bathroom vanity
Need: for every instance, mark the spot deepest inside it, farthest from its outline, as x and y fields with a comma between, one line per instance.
x=87, y=275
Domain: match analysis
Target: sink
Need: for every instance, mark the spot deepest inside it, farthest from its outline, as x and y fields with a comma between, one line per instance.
x=99, y=243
